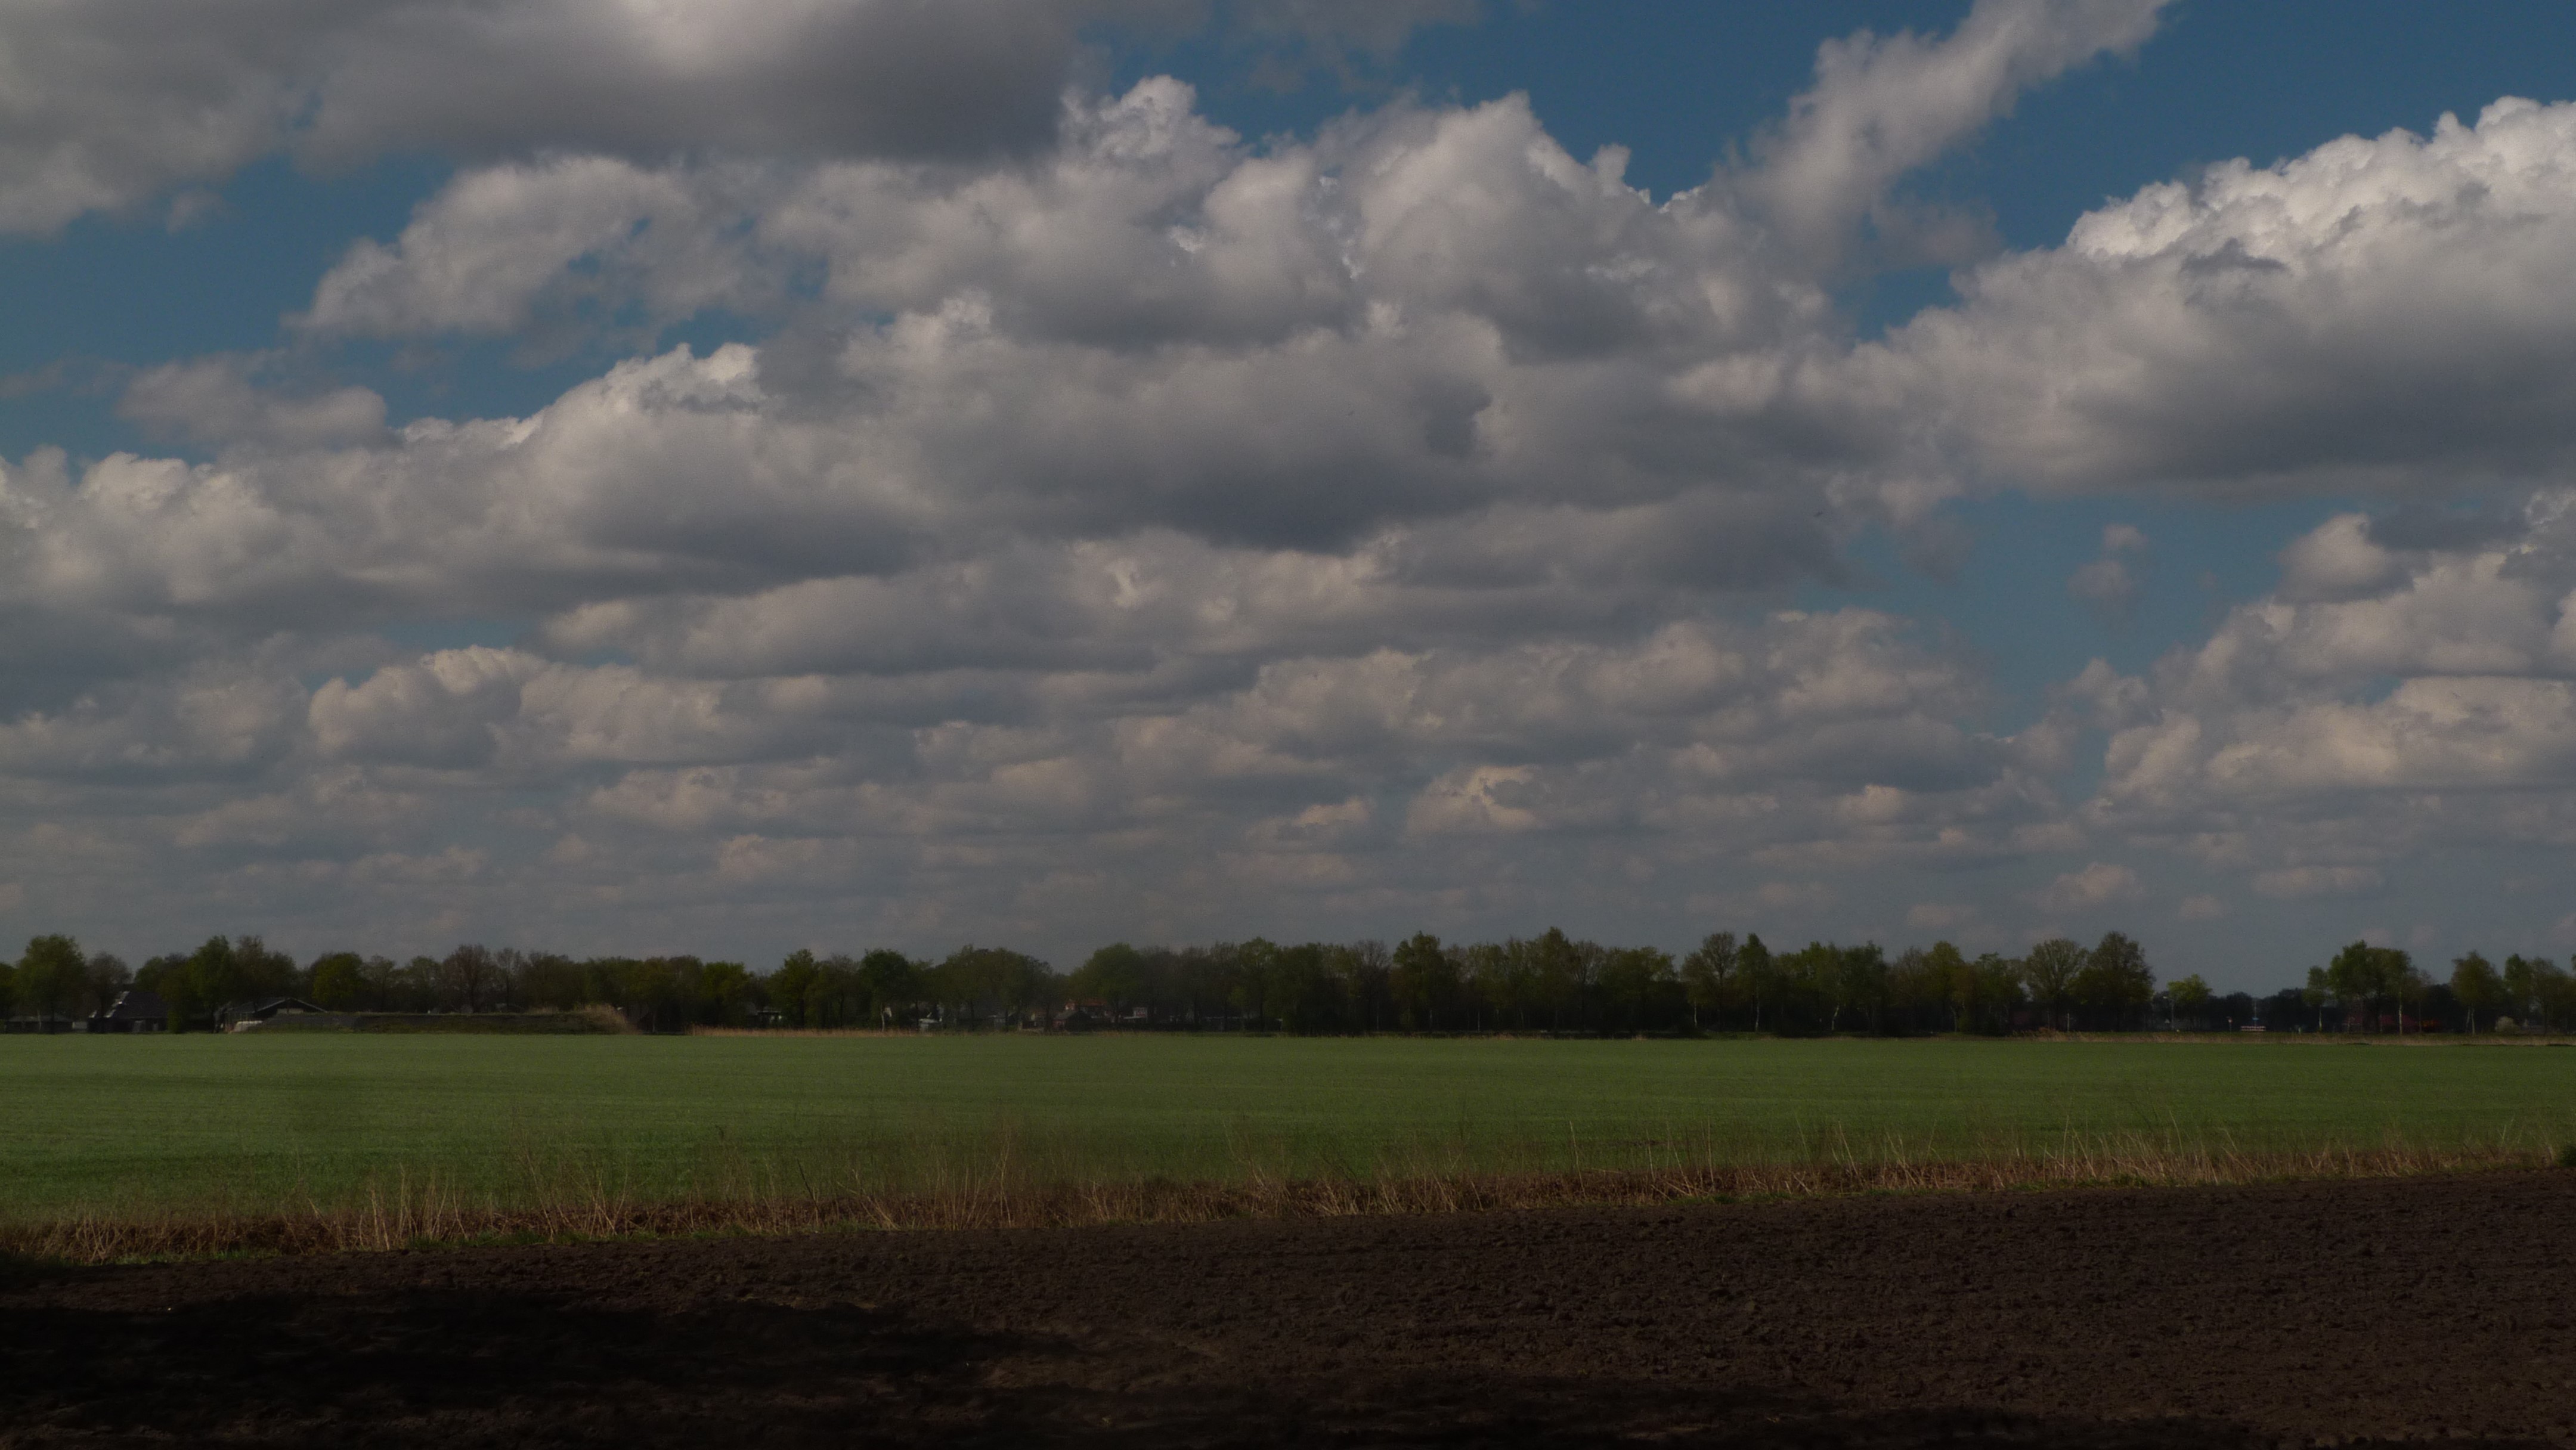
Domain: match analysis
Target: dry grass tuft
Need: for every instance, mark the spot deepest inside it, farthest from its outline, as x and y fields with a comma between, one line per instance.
x=413, y=1213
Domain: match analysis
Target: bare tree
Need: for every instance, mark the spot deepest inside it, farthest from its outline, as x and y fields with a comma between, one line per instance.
x=2050, y=970
x=107, y=977
x=467, y=977
x=1708, y=974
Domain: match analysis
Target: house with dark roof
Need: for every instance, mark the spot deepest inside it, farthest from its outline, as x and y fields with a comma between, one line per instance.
x=240, y=1016
x=133, y=1010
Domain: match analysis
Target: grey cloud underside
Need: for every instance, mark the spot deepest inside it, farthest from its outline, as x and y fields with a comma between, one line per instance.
x=1131, y=530
x=112, y=103
x=1361, y=349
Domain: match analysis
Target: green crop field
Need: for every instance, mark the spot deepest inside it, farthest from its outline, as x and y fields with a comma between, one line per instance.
x=112, y=1128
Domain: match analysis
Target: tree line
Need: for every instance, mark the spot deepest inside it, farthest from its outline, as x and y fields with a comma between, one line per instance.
x=2381, y=988
x=1547, y=983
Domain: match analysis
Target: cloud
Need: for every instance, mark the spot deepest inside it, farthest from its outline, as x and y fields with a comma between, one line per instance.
x=2378, y=315
x=503, y=249
x=1127, y=527
x=1430, y=336
x=213, y=720
x=219, y=400
x=2306, y=881
x=2389, y=701
x=1795, y=896
x=2338, y=560
x=1477, y=799
x=1340, y=516
x=2372, y=670
x=441, y=711
x=795, y=784
x=113, y=103
x=1883, y=106
x=2109, y=585
x=2097, y=885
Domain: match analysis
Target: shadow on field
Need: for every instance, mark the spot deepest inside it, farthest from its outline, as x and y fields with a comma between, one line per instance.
x=2137, y=1318
x=435, y=1366
x=498, y=1365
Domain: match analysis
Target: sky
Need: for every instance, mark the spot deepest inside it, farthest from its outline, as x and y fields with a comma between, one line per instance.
x=661, y=476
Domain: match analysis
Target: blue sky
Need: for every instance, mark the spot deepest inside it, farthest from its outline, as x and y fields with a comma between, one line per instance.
x=1155, y=471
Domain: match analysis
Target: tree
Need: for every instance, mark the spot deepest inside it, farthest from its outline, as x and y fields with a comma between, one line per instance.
x=2116, y=983
x=2555, y=992
x=1950, y=975
x=53, y=977
x=414, y=987
x=1115, y=974
x=1708, y=976
x=1997, y=990
x=2538, y=990
x=108, y=977
x=988, y=982
x=888, y=981
x=2354, y=976
x=266, y=971
x=468, y=978
x=1559, y=973
x=2051, y=970
x=1506, y=980
x=1292, y=982
x=340, y=981
x=2320, y=987
x=721, y=994
x=1805, y=988
x=789, y=985
x=1754, y=962
x=548, y=981
x=1860, y=986
x=836, y=993
x=196, y=986
x=1632, y=980
x=2475, y=983
x=2364, y=975
x=1364, y=978
x=1253, y=961
x=1423, y=979
x=1917, y=997
x=2188, y=997
x=2411, y=987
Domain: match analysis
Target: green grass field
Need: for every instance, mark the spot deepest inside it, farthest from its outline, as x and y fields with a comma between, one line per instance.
x=121, y=1127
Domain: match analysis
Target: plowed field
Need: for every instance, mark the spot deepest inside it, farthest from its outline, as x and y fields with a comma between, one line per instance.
x=2210, y=1317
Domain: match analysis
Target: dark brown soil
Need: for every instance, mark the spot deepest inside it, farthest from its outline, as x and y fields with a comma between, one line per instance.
x=2203, y=1317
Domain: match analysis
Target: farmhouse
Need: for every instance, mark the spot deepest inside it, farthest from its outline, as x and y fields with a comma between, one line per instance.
x=1084, y=1015
x=242, y=1016
x=133, y=1011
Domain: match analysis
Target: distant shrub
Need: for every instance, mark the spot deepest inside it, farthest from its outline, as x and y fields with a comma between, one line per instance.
x=586, y=1022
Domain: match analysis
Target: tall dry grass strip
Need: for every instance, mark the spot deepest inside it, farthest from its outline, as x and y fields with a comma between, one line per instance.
x=415, y=1213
